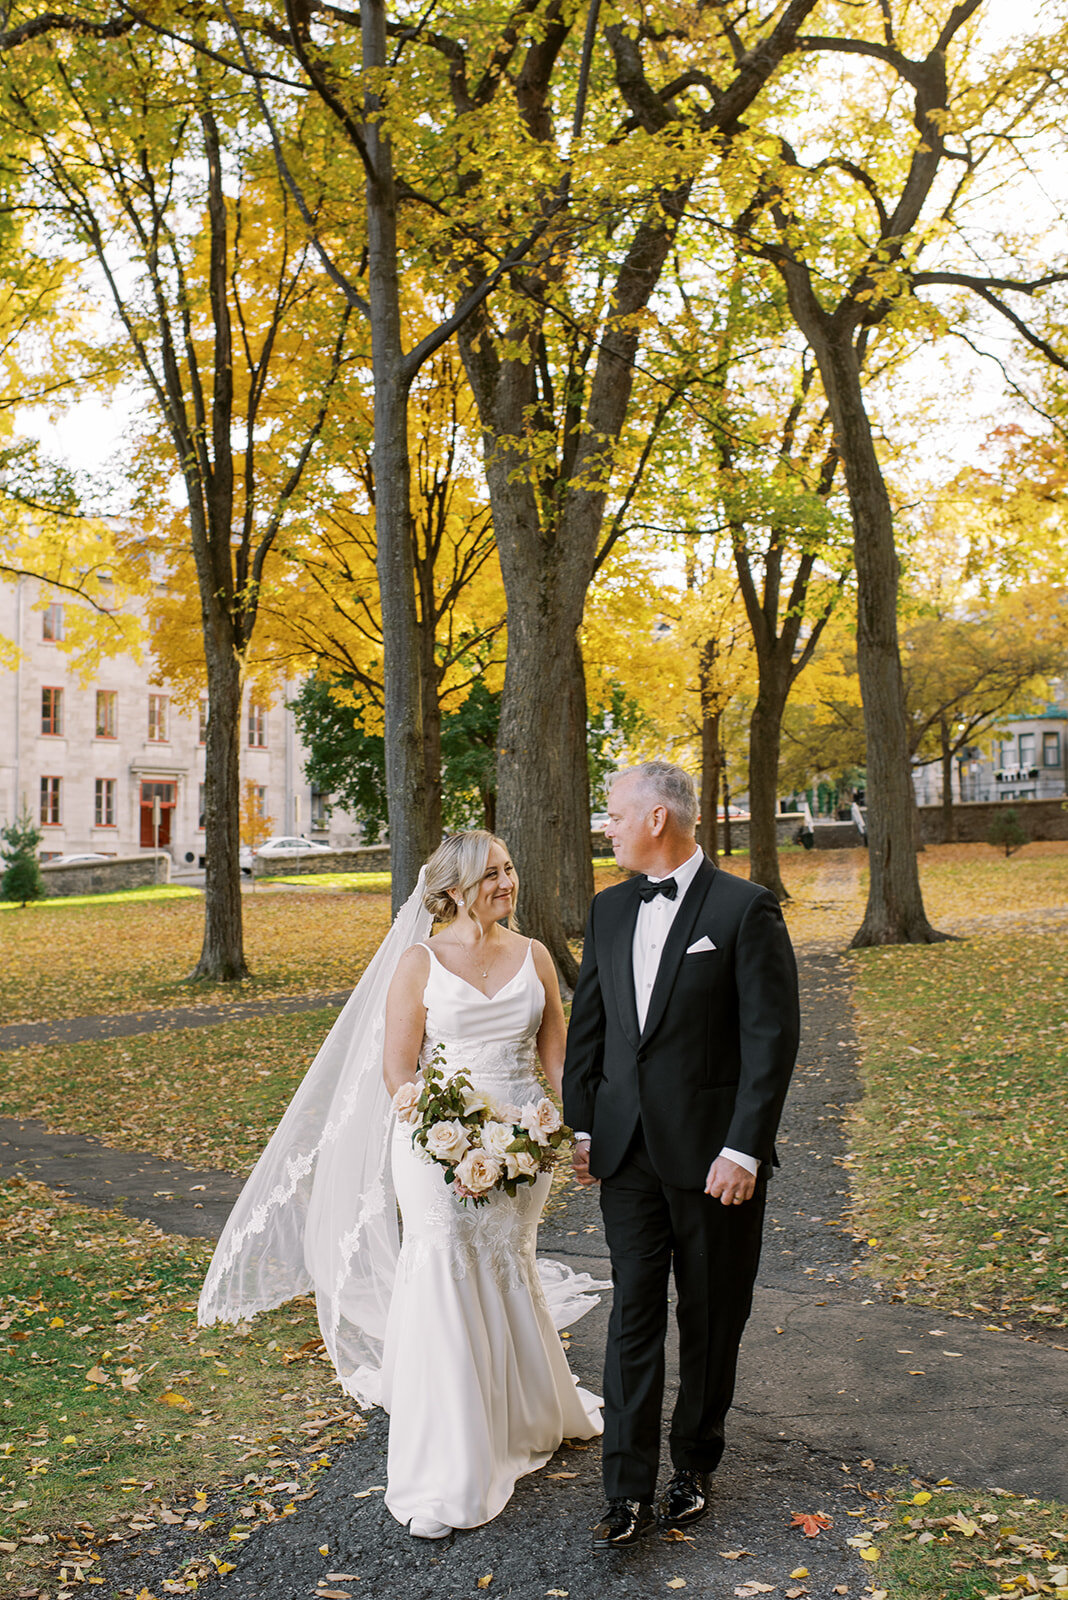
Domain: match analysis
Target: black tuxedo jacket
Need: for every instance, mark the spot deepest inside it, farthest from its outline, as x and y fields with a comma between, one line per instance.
x=712, y=1064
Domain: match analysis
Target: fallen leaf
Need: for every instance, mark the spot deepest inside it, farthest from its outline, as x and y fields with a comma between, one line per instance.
x=795, y=1594
x=171, y=1397
x=921, y=1499
x=332, y=1594
x=558, y=1475
x=485, y=1580
x=734, y=1555
x=376, y=1488
x=870, y=1553
x=799, y=1572
x=676, y=1583
x=342, y=1577
x=560, y=1593
x=811, y=1522
x=744, y=1590
x=98, y=1375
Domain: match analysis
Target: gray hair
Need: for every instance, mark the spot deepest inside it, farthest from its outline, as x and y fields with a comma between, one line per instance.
x=670, y=786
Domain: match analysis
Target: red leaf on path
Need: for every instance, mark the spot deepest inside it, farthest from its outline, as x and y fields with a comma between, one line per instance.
x=811, y=1522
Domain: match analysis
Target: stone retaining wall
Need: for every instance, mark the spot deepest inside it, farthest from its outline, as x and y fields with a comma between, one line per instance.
x=367, y=858
x=1039, y=819
x=105, y=877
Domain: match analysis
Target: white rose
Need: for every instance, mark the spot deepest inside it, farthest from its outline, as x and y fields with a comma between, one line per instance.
x=475, y=1100
x=447, y=1141
x=405, y=1102
x=508, y=1113
x=521, y=1164
x=541, y=1119
x=496, y=1137
x=478, y=1171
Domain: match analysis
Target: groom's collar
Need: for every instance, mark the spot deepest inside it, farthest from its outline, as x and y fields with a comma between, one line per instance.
x=683, y=875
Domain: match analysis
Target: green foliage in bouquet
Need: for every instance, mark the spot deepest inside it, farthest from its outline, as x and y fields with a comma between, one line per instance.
x=481, y=1145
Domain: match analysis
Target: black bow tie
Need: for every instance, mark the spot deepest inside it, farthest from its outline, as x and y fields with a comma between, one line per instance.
x=665, y=886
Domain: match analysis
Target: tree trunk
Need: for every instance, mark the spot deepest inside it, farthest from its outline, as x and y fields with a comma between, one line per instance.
x=530, y=778
x=765, y=734
x=576, y=859
x=406, y=778
x=949, y=821
x=895, y=912
x=222, y=955
x=727, y=847
x=430, y=686
x=708, y=827
x=711, y=755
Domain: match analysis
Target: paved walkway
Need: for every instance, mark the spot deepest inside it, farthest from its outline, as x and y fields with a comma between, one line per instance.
x=72, y=1030
x=839, y=1390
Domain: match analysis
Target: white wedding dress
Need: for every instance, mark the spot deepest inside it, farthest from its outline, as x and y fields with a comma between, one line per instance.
x=473, y=1373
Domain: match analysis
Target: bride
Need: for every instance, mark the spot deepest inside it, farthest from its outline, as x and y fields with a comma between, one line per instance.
x=453, y=1331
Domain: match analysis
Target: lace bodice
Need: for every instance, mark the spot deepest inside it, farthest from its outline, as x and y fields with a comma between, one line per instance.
x=493, y=1038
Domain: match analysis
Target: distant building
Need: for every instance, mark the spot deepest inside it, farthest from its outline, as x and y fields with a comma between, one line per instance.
x=1027, y=760
x=88, y=760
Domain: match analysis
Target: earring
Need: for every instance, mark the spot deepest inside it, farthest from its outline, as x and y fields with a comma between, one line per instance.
x=460, y=903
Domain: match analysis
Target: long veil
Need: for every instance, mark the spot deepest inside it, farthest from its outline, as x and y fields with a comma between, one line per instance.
x=319, y=1211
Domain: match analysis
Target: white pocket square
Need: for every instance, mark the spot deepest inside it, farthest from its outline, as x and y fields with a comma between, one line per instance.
x=702, y=944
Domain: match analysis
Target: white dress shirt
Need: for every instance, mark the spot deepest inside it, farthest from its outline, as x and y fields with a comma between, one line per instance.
x=655, y=917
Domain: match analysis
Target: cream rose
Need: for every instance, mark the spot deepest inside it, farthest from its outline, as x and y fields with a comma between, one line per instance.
x=478, y=1171
x=521, y=1164
x=496, y=1137
x=541, y=1119
x=447, y=1141
x=475, y=1100
x=405, y=1102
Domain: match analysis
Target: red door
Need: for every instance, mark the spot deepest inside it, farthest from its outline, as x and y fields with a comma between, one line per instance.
x=152, y=789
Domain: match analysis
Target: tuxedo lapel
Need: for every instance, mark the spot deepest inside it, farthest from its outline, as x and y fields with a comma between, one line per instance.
x=623, y=966
x=675, y=945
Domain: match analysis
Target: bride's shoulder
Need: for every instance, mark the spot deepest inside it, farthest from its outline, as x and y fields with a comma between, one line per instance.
x=412, y=966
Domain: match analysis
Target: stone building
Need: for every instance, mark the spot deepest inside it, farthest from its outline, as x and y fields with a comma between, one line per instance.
x=1026, y=759
x=87, y=760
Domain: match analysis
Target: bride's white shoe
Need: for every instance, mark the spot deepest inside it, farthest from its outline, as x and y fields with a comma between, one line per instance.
x=427, y=1528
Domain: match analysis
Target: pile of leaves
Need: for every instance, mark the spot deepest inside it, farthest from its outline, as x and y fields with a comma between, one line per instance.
x=122, y=1419
x=961, y=1164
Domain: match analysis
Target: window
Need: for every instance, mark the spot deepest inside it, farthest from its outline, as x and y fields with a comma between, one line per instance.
x=259, y=799
x=52, y=623
x=51, y=796
x=107, y=714
x=1008, y=753
x=320, y=808
x=1051, y=749
x=202, y=736
x=105, y=802
x=257, y=726
x=1027, y=749
x=157, y=718
x=201, y=806
x=52, y=711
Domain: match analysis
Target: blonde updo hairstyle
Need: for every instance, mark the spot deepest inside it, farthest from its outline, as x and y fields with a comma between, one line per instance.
x=459, y=863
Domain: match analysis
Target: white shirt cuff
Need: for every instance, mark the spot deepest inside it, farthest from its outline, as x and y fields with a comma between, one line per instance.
x=580, y=1137
x=750, y=1163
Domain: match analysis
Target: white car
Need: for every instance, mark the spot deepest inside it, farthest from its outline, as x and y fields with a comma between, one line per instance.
x=288, y=845
x=69, y=861
x=598, y=821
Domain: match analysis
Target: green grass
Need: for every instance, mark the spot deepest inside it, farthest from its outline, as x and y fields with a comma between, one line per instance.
x=958, y=1544
x=63, y=960
x=366, y=882
x=207, y=1096
x=117, y=1406
x=118, y=897
x=961, y=1169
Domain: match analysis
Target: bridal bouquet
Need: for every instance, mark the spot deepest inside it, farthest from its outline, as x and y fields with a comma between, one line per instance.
x=481, y=1145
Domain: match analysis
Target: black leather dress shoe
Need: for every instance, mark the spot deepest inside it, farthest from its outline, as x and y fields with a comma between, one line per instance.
x=685, y=1500
x=624, y=1522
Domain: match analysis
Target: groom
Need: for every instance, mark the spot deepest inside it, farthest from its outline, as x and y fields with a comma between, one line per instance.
x=683, y=1036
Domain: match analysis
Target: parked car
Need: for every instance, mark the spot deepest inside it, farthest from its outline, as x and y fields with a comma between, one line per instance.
x=289, y=845
x=88, y=855
x=244, y=856
x=598, y=821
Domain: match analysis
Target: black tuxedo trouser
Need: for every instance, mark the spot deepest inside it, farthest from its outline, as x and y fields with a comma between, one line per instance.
x=652, y=1230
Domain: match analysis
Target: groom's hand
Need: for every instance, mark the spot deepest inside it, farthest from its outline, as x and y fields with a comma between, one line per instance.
x=729, y=1183
x=580, y=1163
